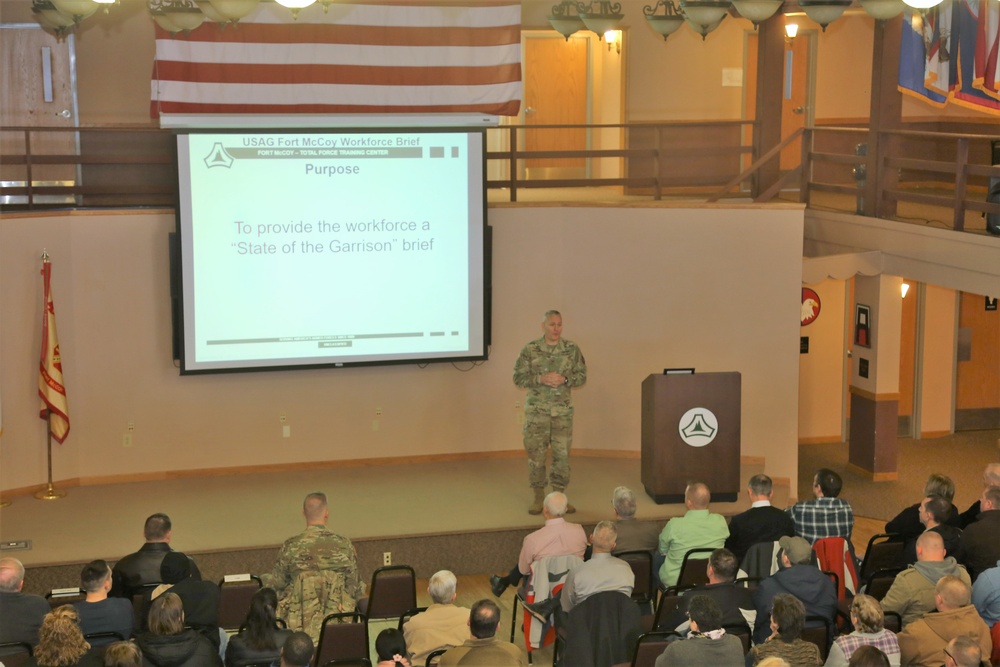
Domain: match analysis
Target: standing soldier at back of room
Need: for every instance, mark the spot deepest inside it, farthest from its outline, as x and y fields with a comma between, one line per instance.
x=548, y=368
x=316, y=573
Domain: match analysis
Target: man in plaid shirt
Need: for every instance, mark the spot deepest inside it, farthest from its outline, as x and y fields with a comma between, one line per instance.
x=826, y=515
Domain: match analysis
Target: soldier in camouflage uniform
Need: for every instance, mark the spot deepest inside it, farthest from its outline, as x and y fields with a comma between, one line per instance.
x=316, y=573
x=548, y=368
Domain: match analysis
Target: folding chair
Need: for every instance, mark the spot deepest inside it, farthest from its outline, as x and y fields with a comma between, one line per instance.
x=392, y=593
x=407, y=615
x=651, y=646
x=694, y=570
x=235, y=593
x=819, y=631
x=645, y=591
x=15, y=654
x=668, y=605
x=342, y=637
x=884, y=551
x=103, y=639
x=57, y=597
x=432, y=657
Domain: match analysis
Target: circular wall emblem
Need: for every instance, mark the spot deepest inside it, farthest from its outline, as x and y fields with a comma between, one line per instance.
x=810, y=306
x=698, y=427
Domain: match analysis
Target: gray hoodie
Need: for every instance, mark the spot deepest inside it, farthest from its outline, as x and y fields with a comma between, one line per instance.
x=912, y=593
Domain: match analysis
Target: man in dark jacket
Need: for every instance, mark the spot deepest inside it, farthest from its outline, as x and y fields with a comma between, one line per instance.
x=799, y=578
x=981, y=539
x=200, y=599
x=142, y=568
x=991, y=477
x=21, y=614
x=761, y=523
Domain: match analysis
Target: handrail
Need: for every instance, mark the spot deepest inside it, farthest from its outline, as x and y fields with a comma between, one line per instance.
x=755, y=167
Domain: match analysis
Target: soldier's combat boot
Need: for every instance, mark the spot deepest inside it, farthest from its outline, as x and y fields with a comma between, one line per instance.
x=569, y=508
x=536, y=506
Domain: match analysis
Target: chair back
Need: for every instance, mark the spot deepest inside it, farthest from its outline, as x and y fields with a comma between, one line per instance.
x=741, y=632
x=432, y=657
x=102, y=640
x=352, y=662
x=393, y=591
x=892, y=622
x=884, y=551
x=235, y=593
x=694, y=568
x=602, y=630
x=879, y=583
x=819, y=631
x=651, y=646
x=57, y=597
x=342, y=637
x=667, y=607
x=407, y=615
x=641, y=562
x=15, y=654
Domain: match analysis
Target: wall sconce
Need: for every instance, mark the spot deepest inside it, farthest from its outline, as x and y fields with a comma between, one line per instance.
x=791, y=29
x=904, y=289
x=614, y=37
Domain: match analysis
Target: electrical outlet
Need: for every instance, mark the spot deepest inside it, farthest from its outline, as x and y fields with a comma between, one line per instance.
x=130, y=426
x=517, y=405
x=378, y=412
x=282, y=418
x=387, y=558
x=127, y=440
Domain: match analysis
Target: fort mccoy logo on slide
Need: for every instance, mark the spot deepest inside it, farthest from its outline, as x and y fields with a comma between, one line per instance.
x=219, y=157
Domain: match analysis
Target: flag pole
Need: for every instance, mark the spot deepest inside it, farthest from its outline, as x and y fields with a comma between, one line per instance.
x=50, y=492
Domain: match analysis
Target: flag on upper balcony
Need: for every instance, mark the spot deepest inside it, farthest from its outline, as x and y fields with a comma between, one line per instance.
x=950, y=54
x=367, y=56
x=51, y=389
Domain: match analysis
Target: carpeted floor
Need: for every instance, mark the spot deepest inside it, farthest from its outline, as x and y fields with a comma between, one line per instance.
x=961, y=456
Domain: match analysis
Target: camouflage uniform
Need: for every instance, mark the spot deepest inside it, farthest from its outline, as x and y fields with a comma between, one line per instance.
x=548, y=411
x=316, y=574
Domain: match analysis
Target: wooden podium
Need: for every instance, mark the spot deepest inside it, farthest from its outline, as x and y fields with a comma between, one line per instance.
x=691, y=433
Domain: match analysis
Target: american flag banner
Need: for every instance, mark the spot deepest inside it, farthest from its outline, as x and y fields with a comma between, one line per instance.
x=51, y=389
x=949, y=54
x=372, y=56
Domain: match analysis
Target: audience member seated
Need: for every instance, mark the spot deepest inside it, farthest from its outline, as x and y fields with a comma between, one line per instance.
x=963, y=652
x=123, y=654
x=260, y=639
x=787, y=618
x=931, y=512
x=869, y=630
x=21, y=614
x=707, y=645
x=98, y=612
x=908, y=525
x=61, y=644
x=391, y=649
x=697, y=529
x=297, y=651
x=912, y=592
x=868, y=656
x=484, y=649
x=142, y=568
x=735, y=601
x=167, y=643
x=316, y=573
x=826, y=515
x=798, y=577
x=923, y=642
x=632, y=535
x=981, y=538
x=557, y=537
x=603, y=572
x=986, y=595
x=200, y=598
x=991, y=477
x=761, y=523
x=443, y=625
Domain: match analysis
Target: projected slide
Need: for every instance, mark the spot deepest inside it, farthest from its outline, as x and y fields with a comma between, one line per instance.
x=319, y=248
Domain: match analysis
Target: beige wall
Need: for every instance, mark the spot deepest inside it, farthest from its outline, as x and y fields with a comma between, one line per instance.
x=821, y=371
x=937, y=399
x=635, y=297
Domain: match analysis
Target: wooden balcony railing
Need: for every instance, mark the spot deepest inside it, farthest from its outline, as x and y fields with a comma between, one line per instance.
x=946, y=173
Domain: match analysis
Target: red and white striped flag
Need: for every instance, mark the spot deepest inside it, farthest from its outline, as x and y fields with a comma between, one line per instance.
x=51, y=389
x=368, y=56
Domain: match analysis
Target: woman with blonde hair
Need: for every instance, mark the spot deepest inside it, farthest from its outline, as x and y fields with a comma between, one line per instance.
x=168, y=643
x=869, y=630
x=61, y=643
x=123, y=654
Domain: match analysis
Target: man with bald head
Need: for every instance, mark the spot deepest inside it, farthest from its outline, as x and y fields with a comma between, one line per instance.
x=923, y=642
x=963, y=652
x=912, y=592
x=697, y=529
x=316, y=573
x=21, y=614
